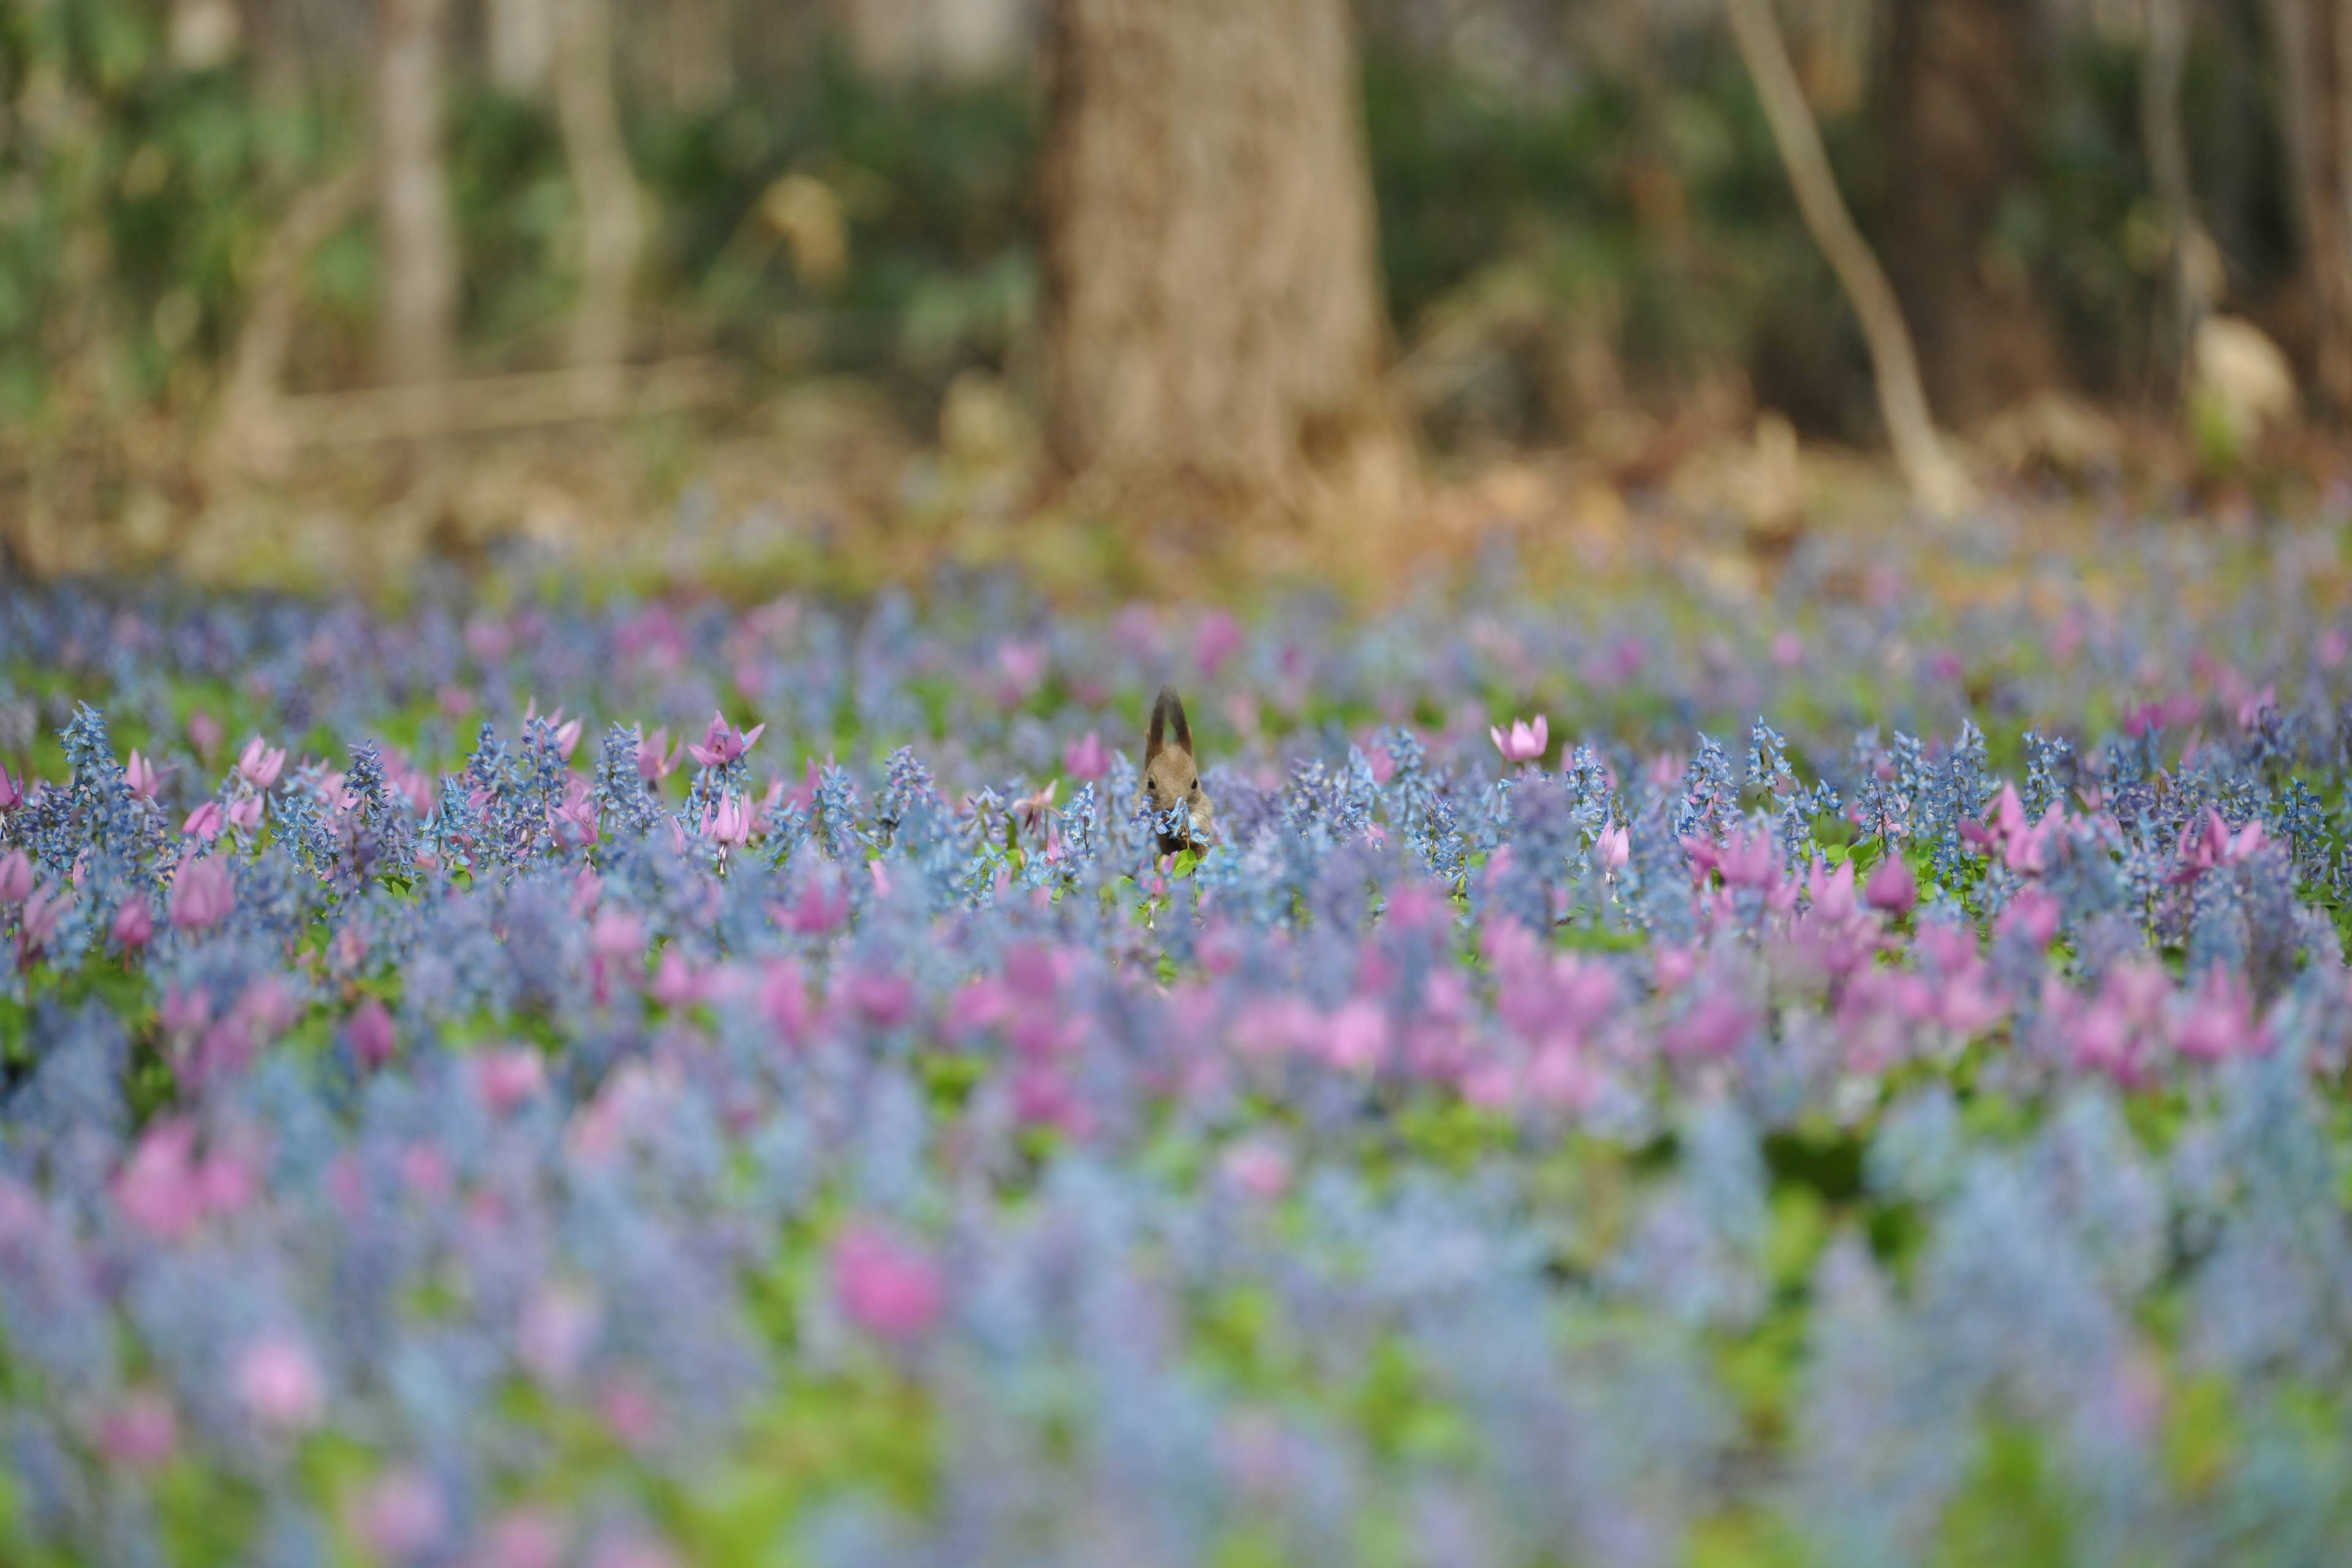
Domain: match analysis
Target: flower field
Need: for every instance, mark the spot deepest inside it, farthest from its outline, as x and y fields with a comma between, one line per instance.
x=1846, y=1074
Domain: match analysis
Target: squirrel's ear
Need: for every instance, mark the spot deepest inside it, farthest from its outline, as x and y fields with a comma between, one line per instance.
x=1157, y=735
x=1176, y=717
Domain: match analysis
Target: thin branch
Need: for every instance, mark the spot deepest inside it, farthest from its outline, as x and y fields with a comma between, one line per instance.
x=2186, y=284
x=258, y=363
x=498, y=403
x=1929, y=468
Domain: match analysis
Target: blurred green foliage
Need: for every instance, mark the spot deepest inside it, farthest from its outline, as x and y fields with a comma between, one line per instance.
x=1621, y=237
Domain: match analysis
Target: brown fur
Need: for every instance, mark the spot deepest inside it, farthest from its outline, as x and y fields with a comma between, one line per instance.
x=1172, y=775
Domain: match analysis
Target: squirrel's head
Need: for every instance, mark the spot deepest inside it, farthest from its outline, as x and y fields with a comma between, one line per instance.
x=1172, y=775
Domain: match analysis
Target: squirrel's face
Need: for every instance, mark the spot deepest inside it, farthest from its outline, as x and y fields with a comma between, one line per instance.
x=1171, y=777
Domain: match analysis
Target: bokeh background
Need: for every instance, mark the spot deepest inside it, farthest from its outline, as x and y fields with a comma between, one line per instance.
x=829, y=292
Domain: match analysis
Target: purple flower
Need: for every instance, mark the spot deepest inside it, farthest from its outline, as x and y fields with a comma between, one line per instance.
x=728, y=823
x=399, y=1517
x=557, y=1327
x=279, y=1383
x=1614, y=848
x=373, y=1039
x=656, y=758
x=524, y=1537
x=509, y=1076
x=1087, y=758
x=1524, y=742
x=140, y=1430
x=1892, y=888
x=140, y=774
x=204, y=733
x=16, y=878
x=722, y=742
x=203, y=894
x=887, y=1288
x=260, y=764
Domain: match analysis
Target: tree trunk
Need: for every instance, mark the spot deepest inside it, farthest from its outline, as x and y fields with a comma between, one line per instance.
x=520, y=43
x=2312, y=39
x=1215, y=325
x=1957, y=108
x=2189, y=284
x=419, y=236
x=700, y=54
x=611, y=219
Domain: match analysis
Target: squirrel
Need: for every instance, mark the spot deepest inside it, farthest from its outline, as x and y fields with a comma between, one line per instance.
x=1171, y=778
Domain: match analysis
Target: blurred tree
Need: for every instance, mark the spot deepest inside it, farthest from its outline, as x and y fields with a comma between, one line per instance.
x=701, y=67
x=519, y=37
x=2313, y=41
x=1957, y=106
x=1214, y=309
x=612, y=216
x=2192, y=279
x=418, y=234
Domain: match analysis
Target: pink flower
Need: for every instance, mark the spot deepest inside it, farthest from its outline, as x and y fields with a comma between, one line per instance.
x=574, y=822
x=1032, y=806
x=204, y=733
x=1716, y=1023
x=157, y=1189
x=1087, y=759
x=677, y=983
x=1023, y=665
x=783, y=1001
x=372, y=1038
x=16, y=878
x=280, y=1387
x=1356, y=1038
x=1219, y=638
x=509, y=1076
x=1892, y=888
x=729, y=822
x=259, y=766
x=1525, y=742
x=723, y=743
x=2208, y=842
x=816, y=911
x=399, y=1517
x=2032, y=912
x=524, y=1537
x=138, y=773
x=205, y=822
x=633, y=1551
x=656, y=758
x=1614, y=848
x=557, y=1328
x=134, y=924
x=203, y=894
x=885, y=1287
x=245, y=813
x=12, y=790
x=140, y=1430
x=1259, y=1167
x=1382, y=762
x=2219, y=1022
x=42, y=912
